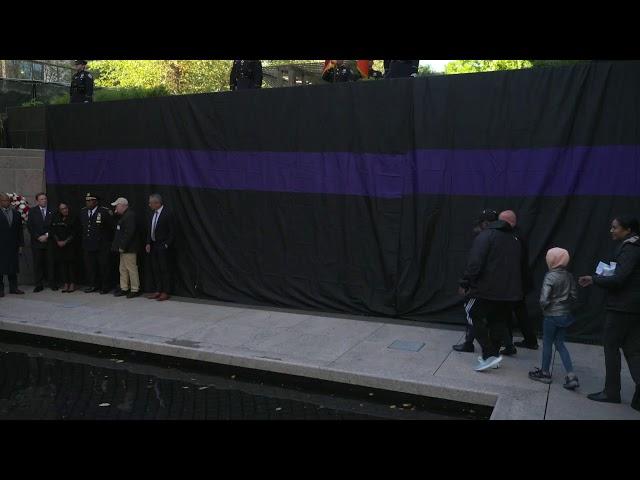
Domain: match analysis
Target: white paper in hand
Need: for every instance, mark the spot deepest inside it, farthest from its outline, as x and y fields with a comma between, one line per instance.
x=605, y=269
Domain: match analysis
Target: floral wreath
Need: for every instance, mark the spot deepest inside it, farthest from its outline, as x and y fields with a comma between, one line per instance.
x=19, y=202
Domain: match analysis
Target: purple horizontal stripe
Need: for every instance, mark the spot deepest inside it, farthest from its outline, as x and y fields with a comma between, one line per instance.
x=602, y=170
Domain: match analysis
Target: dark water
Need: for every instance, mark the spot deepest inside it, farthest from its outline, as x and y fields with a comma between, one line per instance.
x=49, y=379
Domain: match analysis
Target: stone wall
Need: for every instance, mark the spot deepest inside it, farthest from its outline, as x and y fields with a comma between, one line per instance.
x=22, y=172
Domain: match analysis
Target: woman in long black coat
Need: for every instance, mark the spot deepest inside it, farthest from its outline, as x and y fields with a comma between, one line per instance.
x=11, y=243
x=66, y=238
x=622, y=323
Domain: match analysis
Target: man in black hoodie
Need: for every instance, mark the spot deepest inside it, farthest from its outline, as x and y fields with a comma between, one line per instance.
x=486, y=218
x=493, y=280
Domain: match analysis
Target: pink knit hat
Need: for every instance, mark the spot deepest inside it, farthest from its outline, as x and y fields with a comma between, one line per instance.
x=557, y=257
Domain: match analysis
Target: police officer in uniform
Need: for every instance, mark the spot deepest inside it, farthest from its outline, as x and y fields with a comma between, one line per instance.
x=338, y=71
x=401, y=68
x=81, y=90
x=97, y=235
x=246, y=74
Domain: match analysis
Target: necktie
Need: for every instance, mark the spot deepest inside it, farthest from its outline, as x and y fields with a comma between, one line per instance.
x=44, y=213
x=153, y=227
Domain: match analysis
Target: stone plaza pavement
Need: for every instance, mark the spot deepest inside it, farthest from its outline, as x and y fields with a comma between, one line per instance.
x=373, y=352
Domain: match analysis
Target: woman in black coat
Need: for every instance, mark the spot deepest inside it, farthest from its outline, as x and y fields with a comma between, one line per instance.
x=622, y=323
x=11, y=243
x=66, y=237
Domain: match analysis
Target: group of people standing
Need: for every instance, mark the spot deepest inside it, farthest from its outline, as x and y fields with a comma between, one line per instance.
x=339, y=71
x=97, y=233
x=247, y=74
x=494, y=283
x=497, y=278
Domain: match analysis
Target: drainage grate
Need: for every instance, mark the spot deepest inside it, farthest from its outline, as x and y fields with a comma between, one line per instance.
x=406, y=345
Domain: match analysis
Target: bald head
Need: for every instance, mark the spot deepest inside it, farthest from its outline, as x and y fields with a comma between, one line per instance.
x=508, y=216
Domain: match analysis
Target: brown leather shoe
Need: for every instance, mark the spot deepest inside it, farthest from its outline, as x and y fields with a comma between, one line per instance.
x=153, y=296
x=163, y=297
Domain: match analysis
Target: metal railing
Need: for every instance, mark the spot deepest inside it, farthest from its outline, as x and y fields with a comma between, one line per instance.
x=46, y=71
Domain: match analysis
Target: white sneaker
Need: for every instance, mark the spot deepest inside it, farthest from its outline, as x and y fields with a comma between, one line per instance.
x=480, y=360
x=490, y=362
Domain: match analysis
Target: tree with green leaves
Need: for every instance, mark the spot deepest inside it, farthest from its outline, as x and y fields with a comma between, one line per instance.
x=472, y=66
x=426, y=70
x=176, y=76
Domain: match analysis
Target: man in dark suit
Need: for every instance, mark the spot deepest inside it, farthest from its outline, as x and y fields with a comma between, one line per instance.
x=338, y=71
x=11, y=243
x=39, y=223
x=245, y=74
x=401, y=68
x=160, y=238
x=97, y=235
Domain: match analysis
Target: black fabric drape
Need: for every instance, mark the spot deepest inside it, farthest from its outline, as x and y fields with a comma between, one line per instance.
x=373, y=236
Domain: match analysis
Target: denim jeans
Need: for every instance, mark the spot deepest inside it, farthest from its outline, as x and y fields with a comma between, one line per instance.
x=555, y=329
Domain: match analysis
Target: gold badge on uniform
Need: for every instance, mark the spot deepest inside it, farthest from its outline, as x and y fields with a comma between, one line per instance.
x=99, y=218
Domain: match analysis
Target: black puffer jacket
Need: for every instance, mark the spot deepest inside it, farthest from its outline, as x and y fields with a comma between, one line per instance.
x=494, y=270
x=623, y=287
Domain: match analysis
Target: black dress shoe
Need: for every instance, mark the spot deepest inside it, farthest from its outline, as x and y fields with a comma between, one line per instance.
x=1, y=293
x=90, y=290
x=464, y=347
x=55, y=289
x=17, y=291
x=104, y=292
x=508, y=351
x=121, y=293
x=530, y=346
x=603, y=397
x=38, y=289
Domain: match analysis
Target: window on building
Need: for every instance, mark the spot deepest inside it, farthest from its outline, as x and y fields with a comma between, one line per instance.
x=64, y=75
x=25, y=69
x=38, y=71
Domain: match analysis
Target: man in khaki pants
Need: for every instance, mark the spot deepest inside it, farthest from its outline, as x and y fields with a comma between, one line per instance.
x=125, y=242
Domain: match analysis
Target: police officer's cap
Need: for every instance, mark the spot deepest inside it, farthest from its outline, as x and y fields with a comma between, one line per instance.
x=90, y=196
x=81, y=62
